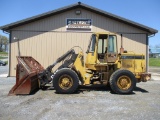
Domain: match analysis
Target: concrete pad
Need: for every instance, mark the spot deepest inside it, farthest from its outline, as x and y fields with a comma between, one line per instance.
x=3, y=75
x=155, y=77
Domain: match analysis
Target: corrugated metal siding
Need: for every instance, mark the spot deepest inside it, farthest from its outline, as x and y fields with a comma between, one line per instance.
x=46, y=47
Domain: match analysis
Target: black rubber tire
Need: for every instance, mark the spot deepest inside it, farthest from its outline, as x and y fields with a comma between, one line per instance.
x=72, y=75
x=114, y=78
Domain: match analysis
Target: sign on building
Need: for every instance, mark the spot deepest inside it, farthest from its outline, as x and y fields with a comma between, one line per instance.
x=79, y=24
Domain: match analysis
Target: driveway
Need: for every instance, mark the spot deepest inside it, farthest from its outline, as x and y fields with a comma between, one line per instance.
x=155, y=72
x=154, y=69
x=87, y=104
x=3, y=71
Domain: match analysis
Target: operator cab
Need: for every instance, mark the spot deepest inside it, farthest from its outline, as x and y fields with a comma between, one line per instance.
x=107, y=48
x=102, y=48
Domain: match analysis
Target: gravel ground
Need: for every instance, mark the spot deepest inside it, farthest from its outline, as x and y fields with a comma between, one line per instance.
x=96, y=103
x=88, y=103
x=154, y=69
x=3, y=69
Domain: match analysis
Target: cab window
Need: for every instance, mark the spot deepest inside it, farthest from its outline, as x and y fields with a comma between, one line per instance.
x=91, y=46
x=102, y=44
x=112, y=44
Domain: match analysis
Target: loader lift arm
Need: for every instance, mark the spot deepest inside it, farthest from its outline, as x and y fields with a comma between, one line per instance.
x=45, y=76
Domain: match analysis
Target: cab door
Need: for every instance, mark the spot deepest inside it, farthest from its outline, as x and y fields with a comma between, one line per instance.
x=111, y=55
x=91, y=57
x=102, y=47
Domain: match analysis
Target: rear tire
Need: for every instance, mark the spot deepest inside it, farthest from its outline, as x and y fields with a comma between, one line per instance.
x=122, y=81
x=65, y=81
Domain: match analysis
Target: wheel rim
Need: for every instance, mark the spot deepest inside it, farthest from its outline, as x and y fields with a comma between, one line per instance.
x=124, y=82
x=65, y=82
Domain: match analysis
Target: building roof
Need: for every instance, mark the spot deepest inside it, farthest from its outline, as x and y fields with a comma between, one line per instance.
x=79, y=5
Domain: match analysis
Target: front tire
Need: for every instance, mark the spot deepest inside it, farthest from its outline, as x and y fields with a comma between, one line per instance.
x=122, y=81
x=65, y=81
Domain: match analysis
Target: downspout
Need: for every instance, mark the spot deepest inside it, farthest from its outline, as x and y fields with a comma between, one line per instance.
x=147, y=51
x=9, y=56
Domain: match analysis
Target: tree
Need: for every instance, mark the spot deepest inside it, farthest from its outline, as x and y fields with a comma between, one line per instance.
x=3, y=43
x=157, y=46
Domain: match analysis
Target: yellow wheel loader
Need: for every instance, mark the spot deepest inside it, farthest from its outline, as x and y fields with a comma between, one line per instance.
x=104, y=65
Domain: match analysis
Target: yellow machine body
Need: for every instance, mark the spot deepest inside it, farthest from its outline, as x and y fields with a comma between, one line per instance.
x=104, y=65
x=107, y=63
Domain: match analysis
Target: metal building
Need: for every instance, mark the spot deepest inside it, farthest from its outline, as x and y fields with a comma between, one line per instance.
x=47, y=36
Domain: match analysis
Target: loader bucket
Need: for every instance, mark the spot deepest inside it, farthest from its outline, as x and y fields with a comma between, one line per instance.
x=26, y=76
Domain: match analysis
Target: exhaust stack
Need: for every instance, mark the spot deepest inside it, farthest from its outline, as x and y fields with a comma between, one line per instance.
x=121, y=49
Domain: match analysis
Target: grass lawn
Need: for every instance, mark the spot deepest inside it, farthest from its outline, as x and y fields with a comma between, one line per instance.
x=3, y=57
x=154, y=62
x=3, y=53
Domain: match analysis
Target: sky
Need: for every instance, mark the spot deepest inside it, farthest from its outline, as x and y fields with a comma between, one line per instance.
x=146, y=12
